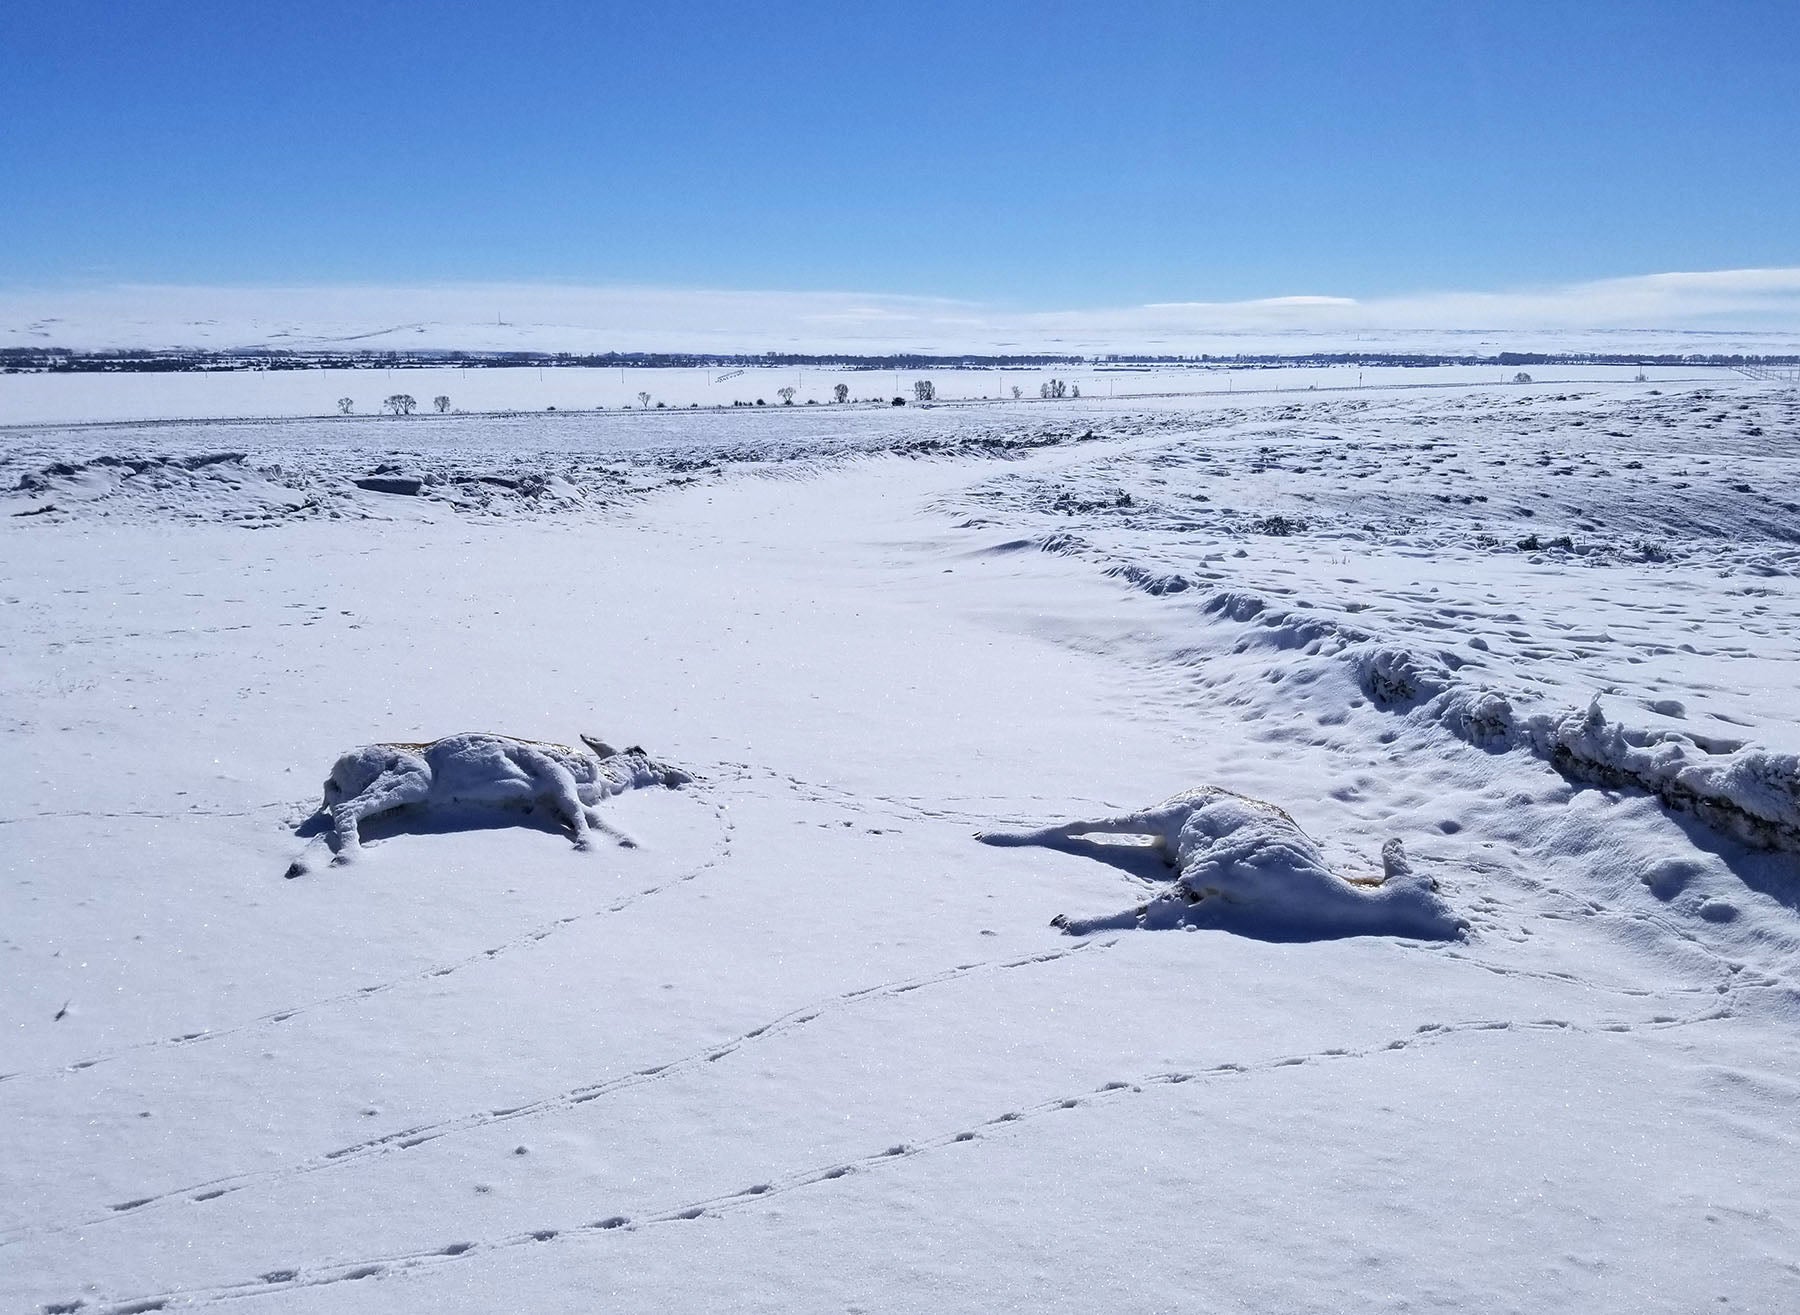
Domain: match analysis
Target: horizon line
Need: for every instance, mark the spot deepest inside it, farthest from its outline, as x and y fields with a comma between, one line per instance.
x=554, y=315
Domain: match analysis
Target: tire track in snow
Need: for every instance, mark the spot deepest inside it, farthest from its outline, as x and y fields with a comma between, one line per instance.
x=406, y=1139
x=1003, y=1125
x=721, y=854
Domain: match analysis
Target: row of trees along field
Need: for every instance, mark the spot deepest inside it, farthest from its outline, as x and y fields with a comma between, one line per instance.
x=404, y=404
x=400, y=404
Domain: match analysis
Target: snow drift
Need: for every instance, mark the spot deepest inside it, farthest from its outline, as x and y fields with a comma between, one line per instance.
x=1747, y=792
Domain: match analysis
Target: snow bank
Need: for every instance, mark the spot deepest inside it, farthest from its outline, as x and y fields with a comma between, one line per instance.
x=1747, y=792
x=1244, y=865
x=1742, y=790
x=301, y=485
x=364, y=467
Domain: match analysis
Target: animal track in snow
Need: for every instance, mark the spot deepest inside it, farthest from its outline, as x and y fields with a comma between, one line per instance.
x=927, y=810
x=1009, y=1124
x=406, y=1139
x=159, y=815
x=721, y=854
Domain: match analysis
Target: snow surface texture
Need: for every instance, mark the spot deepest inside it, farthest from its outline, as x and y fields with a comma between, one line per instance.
x=570, y=395
x=1647, y=513
x=474, y=772
x=1244, y=865
x=806, y=1046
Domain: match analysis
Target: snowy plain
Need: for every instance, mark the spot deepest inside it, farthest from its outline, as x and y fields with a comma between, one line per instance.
x=46, y=398
x=808, y=1045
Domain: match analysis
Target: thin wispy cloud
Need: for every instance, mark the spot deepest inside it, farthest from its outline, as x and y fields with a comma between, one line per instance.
x=1766, y=299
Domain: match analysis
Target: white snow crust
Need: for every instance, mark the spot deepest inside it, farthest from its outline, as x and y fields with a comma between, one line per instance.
x=558, y=400
x=808, y=1046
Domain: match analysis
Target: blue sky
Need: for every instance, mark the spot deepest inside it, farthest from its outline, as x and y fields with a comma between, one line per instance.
x=1030, y=155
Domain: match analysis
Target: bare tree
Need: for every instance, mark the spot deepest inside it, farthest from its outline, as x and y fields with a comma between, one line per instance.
x=786, y=394
x=643, y=399
x=1018, y=392
x=1074, y=390
x=924, y=390
x=441, y=402
x=1053, y=388
x=401, y=404
x=346, y=405
x=841, y=392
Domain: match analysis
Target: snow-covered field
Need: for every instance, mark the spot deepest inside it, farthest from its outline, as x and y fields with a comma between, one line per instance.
x=55, y=398
x=808, y=1045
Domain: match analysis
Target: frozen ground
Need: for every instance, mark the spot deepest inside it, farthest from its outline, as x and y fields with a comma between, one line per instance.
x=50, y=398
x=809, y=1046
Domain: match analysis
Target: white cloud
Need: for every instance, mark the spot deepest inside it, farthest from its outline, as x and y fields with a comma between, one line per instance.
x=1738, y=299
x=1745, y=309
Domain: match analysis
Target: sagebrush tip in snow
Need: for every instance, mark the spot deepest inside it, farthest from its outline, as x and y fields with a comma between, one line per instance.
x=1245, y=865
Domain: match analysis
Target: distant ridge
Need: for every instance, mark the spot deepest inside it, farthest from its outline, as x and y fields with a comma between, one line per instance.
x=60, y=360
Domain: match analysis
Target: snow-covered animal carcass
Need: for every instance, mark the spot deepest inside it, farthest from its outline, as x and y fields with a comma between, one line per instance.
x=1244, y=865
x=476, y=772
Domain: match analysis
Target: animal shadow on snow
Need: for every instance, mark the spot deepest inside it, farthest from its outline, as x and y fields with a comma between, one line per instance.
x=474, y=781
x=439, y=822
x=1682, y=879
x=1232, y=863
